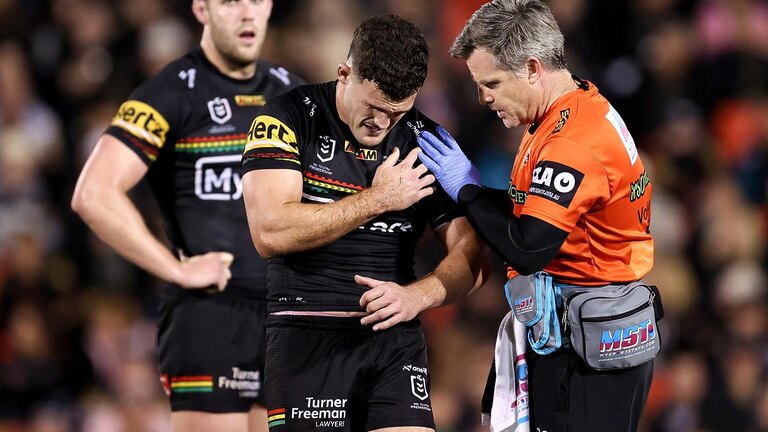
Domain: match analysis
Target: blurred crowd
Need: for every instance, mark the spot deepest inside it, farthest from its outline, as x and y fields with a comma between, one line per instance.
x=77, y=323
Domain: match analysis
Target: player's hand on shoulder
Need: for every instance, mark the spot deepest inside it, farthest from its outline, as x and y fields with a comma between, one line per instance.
x=399, y=185
x=388, y=303
x=206, y=271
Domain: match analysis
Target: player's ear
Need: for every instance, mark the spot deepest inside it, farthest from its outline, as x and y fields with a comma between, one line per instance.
x=343, y=73
x=533, y=69
x=200, y=10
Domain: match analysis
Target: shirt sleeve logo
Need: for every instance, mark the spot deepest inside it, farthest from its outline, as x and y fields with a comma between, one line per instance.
x=268, y=132
x=142, y=121
x=555, y=182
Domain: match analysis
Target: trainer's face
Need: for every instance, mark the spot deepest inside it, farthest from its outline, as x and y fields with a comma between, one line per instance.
x=369, y=114
x=237, y=27
x=511, y=96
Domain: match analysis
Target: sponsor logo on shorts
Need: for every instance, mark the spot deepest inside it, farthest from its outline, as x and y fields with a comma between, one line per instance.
x=418, y=380
x=555, y=182
x=419, y=386
x=192, y=384
x=142, y=121
x=217, y=178
x=248, y=383
x=219, y=110
x=628, y=341
x=325, y=412
x=250, y=100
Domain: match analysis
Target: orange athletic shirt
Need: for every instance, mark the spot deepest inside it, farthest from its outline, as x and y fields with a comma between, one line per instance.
x=580, y=171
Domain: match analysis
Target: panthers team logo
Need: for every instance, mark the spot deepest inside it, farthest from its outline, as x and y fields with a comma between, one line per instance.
x=220, y=110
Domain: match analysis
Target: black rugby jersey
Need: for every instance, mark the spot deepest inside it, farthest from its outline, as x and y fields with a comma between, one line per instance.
x=189, y=123
x=301, y=130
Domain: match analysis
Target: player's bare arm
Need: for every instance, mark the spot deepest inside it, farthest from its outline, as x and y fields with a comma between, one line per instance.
x=464, y=268
x=281, y=224
x=101, y=199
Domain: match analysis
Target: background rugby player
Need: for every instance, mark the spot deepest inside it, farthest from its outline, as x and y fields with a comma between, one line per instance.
x=184, y=130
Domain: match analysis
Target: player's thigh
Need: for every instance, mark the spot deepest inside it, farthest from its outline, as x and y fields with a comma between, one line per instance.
x=197, y=421
x=398, y=395
x=257, y=418
x=211, y=353
x=312, y=371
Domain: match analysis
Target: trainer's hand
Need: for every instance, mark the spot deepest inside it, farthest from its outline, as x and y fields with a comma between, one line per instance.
x=398, y=186
x=206, y=271
x=388, y=303
x=447, y=162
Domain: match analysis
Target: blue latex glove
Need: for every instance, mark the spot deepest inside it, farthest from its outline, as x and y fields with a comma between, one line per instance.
x=447, y=162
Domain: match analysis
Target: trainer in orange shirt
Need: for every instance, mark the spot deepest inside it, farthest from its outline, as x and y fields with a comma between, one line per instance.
x=579, y=193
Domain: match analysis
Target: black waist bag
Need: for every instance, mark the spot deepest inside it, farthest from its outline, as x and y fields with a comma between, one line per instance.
x=614, y=327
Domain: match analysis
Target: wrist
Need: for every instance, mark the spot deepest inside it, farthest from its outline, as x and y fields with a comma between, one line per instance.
x=177, y=275
x=468, y=193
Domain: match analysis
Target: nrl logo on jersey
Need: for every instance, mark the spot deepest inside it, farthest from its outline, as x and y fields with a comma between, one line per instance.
x=220, y=110
x=326, y=149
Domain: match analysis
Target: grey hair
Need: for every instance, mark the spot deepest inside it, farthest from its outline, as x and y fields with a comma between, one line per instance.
x=513, y=31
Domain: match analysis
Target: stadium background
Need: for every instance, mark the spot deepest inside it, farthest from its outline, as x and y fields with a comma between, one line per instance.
x=77, y=332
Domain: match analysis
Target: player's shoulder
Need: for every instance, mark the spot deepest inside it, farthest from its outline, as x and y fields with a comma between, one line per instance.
x=175, y=80
x=413, y=123
x=278, y=75
x=304, y=101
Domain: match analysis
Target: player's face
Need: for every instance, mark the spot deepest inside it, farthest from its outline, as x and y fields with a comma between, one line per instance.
x=238, y=27
x=369, y=114
x=509, y=95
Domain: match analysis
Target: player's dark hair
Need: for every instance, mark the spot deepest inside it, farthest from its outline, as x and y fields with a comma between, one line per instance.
x=391, y=53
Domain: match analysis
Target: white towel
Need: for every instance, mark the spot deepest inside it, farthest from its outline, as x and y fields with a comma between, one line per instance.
x=509, y=412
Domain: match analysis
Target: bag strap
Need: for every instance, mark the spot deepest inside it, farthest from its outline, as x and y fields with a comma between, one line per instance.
x=658, y=306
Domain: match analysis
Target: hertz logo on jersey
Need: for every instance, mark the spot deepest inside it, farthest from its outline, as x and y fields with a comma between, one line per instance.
x=363, y=153
x=142, y=121
x=250, y=100
x=269, y=132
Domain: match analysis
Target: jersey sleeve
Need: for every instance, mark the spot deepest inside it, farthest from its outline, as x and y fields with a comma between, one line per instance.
x=441, y=208
x=148, y=119
x=567, y=181
x=272, y=139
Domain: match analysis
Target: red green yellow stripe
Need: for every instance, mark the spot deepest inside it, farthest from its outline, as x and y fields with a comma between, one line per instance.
x=222, y=143
x=276, y=417
x=191, y=384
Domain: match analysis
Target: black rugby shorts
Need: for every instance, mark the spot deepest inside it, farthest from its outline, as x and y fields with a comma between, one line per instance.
x=211, y=351
x=334, y=374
